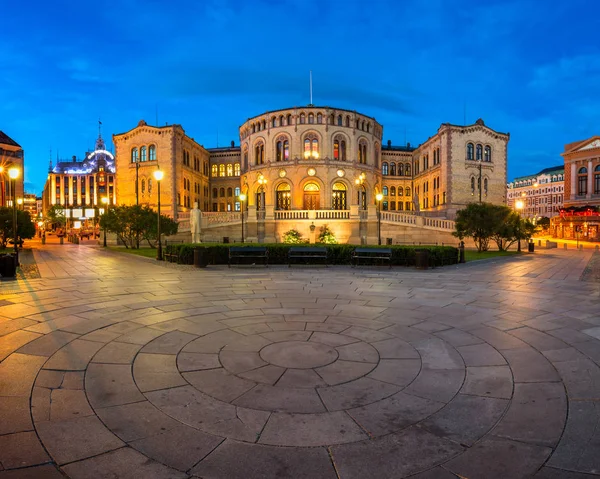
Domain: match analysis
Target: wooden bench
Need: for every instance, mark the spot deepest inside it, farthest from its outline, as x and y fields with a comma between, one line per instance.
x=307, y=253
x=249, y=253
x=371, y=254
x=171, y=254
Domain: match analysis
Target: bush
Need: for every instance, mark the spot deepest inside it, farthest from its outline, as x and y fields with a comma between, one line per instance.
x=293, y=237
x=341, y=254
x=326, y=236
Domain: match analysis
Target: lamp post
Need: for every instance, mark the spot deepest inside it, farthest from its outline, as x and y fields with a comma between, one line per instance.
x=361, y=190
x=242, y=198
x=137, y=181
x=379, y=197
x=105, y=201
x=519, y=206
x=13, y=174
x=480, y=185
x=20, y=203
x=158, y=176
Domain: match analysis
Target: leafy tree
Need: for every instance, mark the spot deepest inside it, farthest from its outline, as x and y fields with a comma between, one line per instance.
x=479, y=221
x=326, y=235
x=25, y=227
x=293, y=237
x=134, y=223
x=56, y=216
x=544, y=222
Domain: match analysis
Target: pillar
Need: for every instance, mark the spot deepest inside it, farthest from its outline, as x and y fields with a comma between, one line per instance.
x=573, y=180
x=590, y=180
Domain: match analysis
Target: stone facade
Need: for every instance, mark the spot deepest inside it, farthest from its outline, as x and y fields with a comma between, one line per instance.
x=11, y=155
x=582, y=172
x=542, y=194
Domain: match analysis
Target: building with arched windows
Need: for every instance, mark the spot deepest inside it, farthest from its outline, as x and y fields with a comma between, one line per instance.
x=542, y=194
x=312, y=165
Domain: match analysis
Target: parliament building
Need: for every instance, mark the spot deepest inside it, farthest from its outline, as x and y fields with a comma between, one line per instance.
x=312, y=165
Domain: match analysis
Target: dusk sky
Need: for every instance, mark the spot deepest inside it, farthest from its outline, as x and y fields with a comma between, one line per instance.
x=531, y=68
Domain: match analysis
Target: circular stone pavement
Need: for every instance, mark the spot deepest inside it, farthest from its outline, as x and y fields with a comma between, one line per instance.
x=312, y=373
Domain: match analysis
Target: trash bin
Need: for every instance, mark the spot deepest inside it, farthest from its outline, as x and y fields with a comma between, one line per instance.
x=8, y=266
x=226, y=239
x=531, y=246
x=200, y=258
x=422, y=259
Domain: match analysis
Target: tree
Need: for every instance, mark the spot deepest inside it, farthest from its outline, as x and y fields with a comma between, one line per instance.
x=25, y=227
x=134, y=223
x=544, y=222
x=326, y=235
x=56, y=216
x=479, y=221
x=293, y=237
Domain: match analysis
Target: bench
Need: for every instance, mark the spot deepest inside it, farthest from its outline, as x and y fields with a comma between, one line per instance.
x=249, y=253
x=371, y=254
x=170, y=253
x=307, y=253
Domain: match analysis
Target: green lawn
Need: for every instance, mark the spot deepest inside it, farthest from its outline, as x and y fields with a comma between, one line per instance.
x=473, y=255
x=147, y=252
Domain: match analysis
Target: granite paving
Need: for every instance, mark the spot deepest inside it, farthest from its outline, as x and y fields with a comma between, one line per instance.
x=117, y=366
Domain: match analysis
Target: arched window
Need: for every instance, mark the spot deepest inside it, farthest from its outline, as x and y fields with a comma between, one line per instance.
x=282, y=149
x=264, y=124
x=363, y=125
x=229, y=191
x=362, y=152
x=597, y=180
x=348, y=121
x=143, y=186
x=385, y=191
x=485, y=186
x=236, y=169
x=280, y=120
x=392, y=191
x=470, y=151
x=487, y=154
x=215, y=170
x=407, y=169
x=401, y=169
x=222, y=192
x=311, y=118
x=134, y=155
x=259, y=153
x=302, y=118
x=385, y=168
x=311, y=146
x=143, y=152
x=472, y=185
x=289, y=120
x=237, y=191
x=215, y=193
x=319, y=118
x=582, y=181
x=400, y=191
x=478, y=152
x=343, y=150
x=339, y=122
x=407, y=192
x=392, y=169
x=338, y=197
x=273, y=122
x=284, y=197
x=149, y=186
x=253, y=128
x=336, y=149
x=229, y=169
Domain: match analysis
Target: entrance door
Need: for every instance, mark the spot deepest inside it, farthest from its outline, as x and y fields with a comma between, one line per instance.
x=311, y=200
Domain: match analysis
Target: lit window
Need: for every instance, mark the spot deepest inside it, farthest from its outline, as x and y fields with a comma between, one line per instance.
x=143, y=153
x=470, y=151
x=215, y=170
x=385, y=191
x=134, y=155
x=488, y=154
x=236, y=169
x=385, y=168
x=152, y=153
x=222, y=170
x=478, y=152
x=229, y=169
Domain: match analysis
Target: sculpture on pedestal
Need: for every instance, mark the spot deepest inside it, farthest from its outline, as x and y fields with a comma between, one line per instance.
x=195, y=223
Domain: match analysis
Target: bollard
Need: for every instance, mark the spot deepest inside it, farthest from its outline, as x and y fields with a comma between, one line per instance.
x=565, y=246
x=43, y=239
x=62, y=240
x=461, y=252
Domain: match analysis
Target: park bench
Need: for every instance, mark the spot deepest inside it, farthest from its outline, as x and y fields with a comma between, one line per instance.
x=307, y=254
x=171, y=253
x=370, y=255
x=248, y=254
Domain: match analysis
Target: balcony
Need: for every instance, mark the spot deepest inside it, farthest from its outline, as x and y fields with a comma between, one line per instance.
x=312, y=214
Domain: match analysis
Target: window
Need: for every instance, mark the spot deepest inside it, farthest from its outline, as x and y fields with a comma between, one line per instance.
x=336, y=149
x=236, y=169
x=319, y=118
x=385, y=191
x=274, y=122
x=229, y=169
x=259, y=153
x=152, y=153
x=472, y=185
x=311, y=118
x=393, y=191
x=280, y=122
x=407, y=193
x=348, y=121
x=338, y=198
x=362, y=152
x=229, y=191
x=384, y=168
x=282, y=148
x=385, y=206
x=487, y=154
x=582, y=181
x=215, y=170
x=400, y=191
x=283, y=197
x=407, y=169
x=478, y=153
x=289, y=120
x=311, y=146
x=339, y=120
x=597, y=180
x=485, y=186
x=222, y=192
x=392, y=169
x=393, y=205
x=215, y=193
x=222, y=170
x=134, y=155
x=470, y=151
x=401, y=169
x=237, y=191
x=302, y=118
x=143, y=153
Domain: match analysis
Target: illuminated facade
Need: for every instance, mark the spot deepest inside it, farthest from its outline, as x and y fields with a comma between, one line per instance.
x=542, y=193
x=11, y=155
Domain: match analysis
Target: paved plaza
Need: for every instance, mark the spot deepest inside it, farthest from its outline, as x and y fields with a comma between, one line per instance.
x=116, y=366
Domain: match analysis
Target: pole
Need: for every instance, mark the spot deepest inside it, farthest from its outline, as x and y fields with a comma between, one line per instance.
x=14, y=188
x=242, y=221
x=104, y=230
x=159, y=252
x=379, y=222
x=480, y=161
x=519, y=233
x=137, y=182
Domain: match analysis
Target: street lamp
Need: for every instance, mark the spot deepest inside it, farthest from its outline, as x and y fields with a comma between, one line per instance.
x=519, y=206
x=105, y=200
x=480, y=185
x=379, y=197
x=13, y=174
x=361, y=190
x=158, y=176
x=242, y=198
x=20, y=203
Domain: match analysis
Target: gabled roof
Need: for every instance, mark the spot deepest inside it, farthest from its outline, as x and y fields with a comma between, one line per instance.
x=6, y=140
x=593, y=142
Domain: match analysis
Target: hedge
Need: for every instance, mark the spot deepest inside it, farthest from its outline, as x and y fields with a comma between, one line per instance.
x=402, y=255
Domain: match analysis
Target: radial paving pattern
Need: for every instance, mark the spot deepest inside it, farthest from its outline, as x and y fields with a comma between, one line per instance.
x=155, y=371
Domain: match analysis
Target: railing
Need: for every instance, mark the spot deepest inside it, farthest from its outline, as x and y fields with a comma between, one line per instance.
x=183, y=219
x=291, y=215
x=216, y=217
x=439, y=223
x=398, y=218
x=312, y=214
x=332, y=214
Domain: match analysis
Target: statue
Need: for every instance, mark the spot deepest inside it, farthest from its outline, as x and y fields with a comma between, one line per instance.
x=416, y=205
x=195, y=223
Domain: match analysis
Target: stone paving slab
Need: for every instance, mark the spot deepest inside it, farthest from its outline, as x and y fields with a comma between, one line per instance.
x=133, y=368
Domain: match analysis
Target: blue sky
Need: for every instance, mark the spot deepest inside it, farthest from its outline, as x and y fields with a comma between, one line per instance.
x=531, y=68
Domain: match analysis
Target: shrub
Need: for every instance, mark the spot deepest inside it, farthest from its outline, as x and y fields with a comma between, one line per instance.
x=293, y=237
x=326, y=236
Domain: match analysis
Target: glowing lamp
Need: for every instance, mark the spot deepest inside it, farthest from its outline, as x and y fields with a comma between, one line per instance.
x=13, y=173
x=158, y=175
x=378, y=196
x=519, y=204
